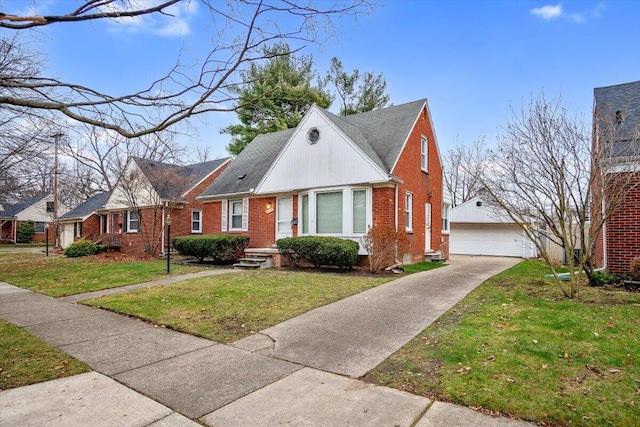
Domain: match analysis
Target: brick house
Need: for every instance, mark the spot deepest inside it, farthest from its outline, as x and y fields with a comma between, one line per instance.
x=84, y=221
x=37, y=209
x=619, y=240
x=134, y=215
x=336, y=176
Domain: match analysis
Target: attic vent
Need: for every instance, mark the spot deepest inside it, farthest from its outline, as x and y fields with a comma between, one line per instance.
x=313, y=135
x=478, y=203
x=619, y=116
x=242, y=176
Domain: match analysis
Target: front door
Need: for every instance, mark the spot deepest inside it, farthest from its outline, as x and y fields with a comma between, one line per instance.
x=427, y=228
x=284, y=215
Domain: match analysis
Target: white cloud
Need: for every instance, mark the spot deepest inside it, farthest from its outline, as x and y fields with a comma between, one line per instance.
x=175, y=21
x=548, y=11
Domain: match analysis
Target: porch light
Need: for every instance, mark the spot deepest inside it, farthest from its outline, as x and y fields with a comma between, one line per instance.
x=268, y=205
x=168, y=220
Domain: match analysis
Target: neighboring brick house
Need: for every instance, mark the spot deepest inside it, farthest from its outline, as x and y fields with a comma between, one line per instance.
x=38, y=209
x=147, y=192
x=336, y=176
x=619, y=241
x=84, y=221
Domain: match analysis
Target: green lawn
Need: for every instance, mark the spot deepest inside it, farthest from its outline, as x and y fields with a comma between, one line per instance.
x=228, y=307
x=422, y=266
x=25, y=359
x=516, y=346
x=61, y=276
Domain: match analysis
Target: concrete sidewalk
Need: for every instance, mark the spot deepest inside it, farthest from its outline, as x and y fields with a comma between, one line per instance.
x=256, y=381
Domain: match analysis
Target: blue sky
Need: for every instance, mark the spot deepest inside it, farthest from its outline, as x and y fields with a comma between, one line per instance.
x=470, y=59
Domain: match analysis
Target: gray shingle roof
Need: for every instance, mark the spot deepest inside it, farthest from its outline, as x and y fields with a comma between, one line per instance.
x=624, y=98
x=168, y=188
x=380, y=134
x=12, y=209
x=87, y=207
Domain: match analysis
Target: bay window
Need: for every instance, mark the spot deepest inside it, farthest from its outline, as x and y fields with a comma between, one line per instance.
x=344, y=211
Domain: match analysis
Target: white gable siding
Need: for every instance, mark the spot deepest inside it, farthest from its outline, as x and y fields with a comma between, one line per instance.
x=332, y=161
x=38, y=211
x=145, y=194
x=469, y=212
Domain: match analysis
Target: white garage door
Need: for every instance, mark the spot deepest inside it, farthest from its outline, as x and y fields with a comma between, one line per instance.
x=488, y=239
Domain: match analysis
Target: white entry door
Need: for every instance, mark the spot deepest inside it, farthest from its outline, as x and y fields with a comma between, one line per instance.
x=427, y=227
x=284, y=215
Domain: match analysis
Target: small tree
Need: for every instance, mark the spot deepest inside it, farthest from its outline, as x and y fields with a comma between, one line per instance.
x=383, y=244
x=546, y=169
x=26, y=231
x=462, y=167
x=150, y=195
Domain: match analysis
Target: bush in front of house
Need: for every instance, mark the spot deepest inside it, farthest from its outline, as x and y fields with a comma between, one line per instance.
x=221, y=248
x=384, y=244
x=81, y=248
x=319, y=250
x=26, y=231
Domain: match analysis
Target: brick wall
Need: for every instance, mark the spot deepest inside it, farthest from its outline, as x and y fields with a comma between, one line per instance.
x=623, y=232
x=426, y=187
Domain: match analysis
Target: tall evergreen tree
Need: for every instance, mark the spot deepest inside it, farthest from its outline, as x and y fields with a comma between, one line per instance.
x=275, y=96
x=357, y=92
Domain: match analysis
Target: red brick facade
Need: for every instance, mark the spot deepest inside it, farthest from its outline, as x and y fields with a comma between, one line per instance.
x=150, y=226
x=622, y=233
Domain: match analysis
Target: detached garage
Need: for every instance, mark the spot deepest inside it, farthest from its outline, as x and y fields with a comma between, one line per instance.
x=479, y=230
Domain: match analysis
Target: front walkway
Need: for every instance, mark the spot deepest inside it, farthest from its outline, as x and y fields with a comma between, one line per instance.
x=251, y=382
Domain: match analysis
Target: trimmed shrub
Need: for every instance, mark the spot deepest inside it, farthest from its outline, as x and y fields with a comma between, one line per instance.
x=26, y=231
x=221, y=248
x=81, y=248
x=317, y=250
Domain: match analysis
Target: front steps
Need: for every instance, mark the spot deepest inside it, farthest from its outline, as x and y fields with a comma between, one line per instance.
x=254, y=262
x=434, y=257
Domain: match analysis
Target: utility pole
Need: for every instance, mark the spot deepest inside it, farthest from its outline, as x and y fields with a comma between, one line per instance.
x=55, y=137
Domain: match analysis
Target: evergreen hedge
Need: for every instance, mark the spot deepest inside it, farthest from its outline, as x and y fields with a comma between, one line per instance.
x=221, y=248
x=81, y=248
x=319, y=250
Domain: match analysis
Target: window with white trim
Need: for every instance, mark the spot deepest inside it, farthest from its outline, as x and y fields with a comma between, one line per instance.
x=344, y=211
x=359, y=199
x=77, y=229
x=235, y=215
x=424, y=153
x=408, y=211
x=133, y=222
x=40, y=227
x=329, y=213
x=445, y=217
x=304, y=213
x=196, y=221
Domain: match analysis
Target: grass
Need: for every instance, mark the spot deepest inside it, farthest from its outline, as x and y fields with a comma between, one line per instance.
x=232, y=306
x=25, y=359
x=61, y=276
x=421, y=266
x=517, y=346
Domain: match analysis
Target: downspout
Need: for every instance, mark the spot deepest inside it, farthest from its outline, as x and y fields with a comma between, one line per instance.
x=396, y=208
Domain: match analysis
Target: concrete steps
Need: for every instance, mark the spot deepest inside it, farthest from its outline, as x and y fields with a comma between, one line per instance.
x=434, y=257
x=254, y=262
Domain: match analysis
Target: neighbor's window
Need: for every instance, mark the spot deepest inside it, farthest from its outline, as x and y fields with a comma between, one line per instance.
x=235, y=212
x=50, y=206
x=133, y=222
x=408, y=211
x=196, y=221
x=39, y=227
x=445, y=217
x=329, y=213
x=77, y=229
x=359, y=211
x=424, y=153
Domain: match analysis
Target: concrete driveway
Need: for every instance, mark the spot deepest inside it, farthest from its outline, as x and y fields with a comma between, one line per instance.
x=352, y=336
